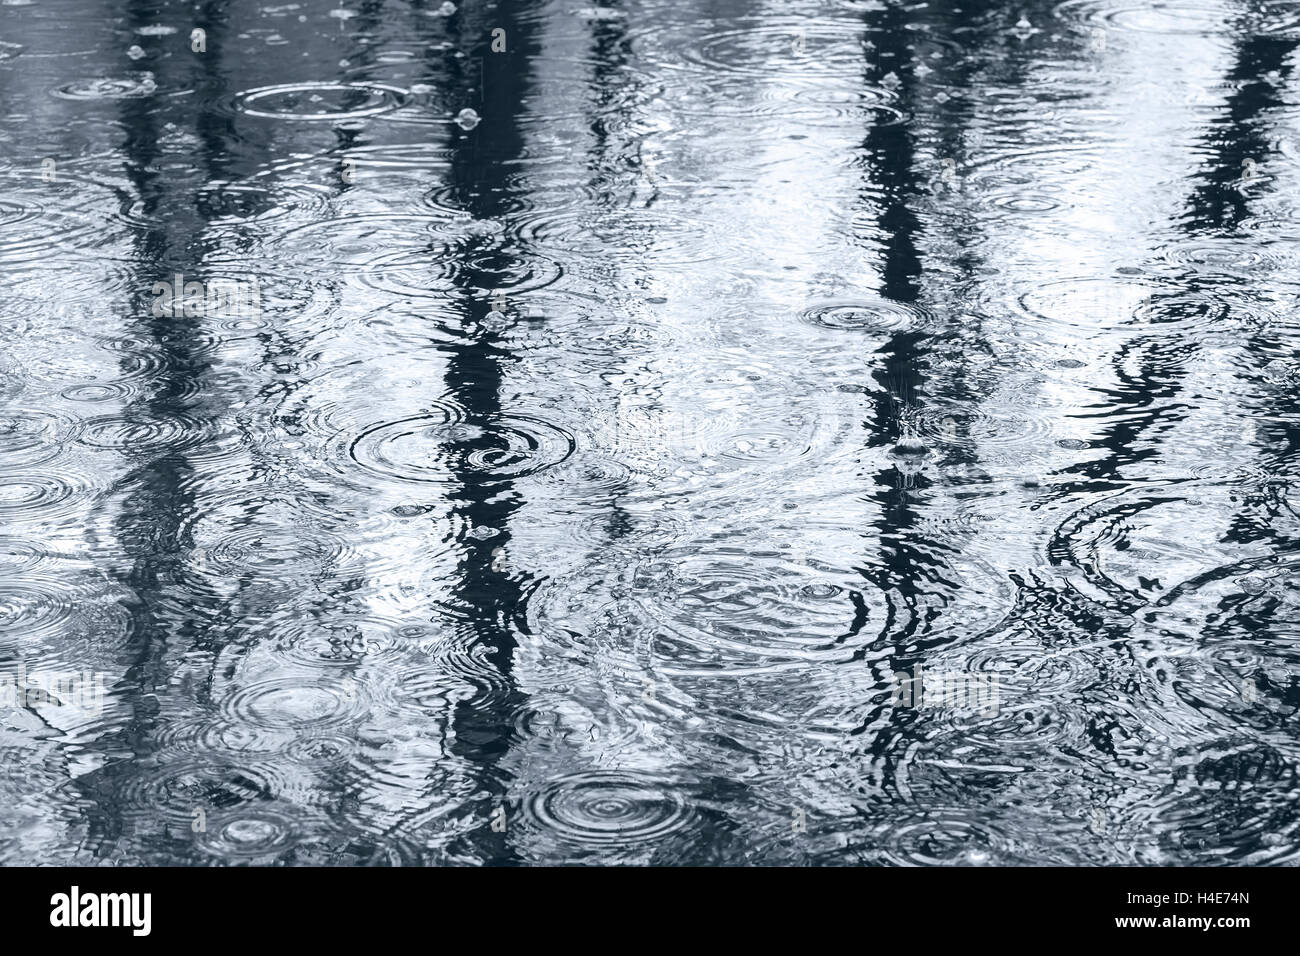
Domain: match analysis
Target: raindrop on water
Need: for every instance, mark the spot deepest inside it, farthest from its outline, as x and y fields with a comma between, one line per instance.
x=909, y=446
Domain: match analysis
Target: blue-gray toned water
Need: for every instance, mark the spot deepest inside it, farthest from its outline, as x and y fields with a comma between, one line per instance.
x=657, y=431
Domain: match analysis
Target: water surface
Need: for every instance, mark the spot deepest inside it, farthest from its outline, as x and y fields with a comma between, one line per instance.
x=571, y=480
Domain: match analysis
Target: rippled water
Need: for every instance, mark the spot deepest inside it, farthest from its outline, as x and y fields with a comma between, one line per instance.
x=573, y=478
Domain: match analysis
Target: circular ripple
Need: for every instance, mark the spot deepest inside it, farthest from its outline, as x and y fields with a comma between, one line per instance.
x=633, y=531
x=34, y=606
x=1236, y=805
x=652, y=235
x=320, y=101
x=139, y=358
x=792, y=47
x=17, y=556
x=421, y=274
x=350, y=847
x=172, y=786
x=136, y=433
x=12, y=213
x=608, y=809
x=95, y=392
x=247, y=834
x=981, y=427
x=591, y=478
x=559, y=719
x=744, y=611
x=357, y=242
x=1106, y=304
x=48, y=219
x=30, y=437
x=584, y=330
x=1180, y=17
x=1185, y=17
x=944, y=837
x=268, y=555
x=104, y=88
x=322, y=750
x=1148, y=544
x=1019, y=726
x=813, y=99
x=205, y=735
x=433, y=449
x=1024, y=668
x=339, y=643
x=39, y=497
x=878, y=315
x=296, y=703
x=230, y=203
x=1224, y=256
x=1023, y=202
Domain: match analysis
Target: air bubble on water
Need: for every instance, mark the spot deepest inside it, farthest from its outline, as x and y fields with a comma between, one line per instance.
x=909, y=446
x=134, y=52
x=1253, y=584
x=467, y=119
x=483, y=532
x=446, y=10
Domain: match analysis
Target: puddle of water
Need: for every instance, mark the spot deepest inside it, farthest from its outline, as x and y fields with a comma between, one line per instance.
x=835, y=432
